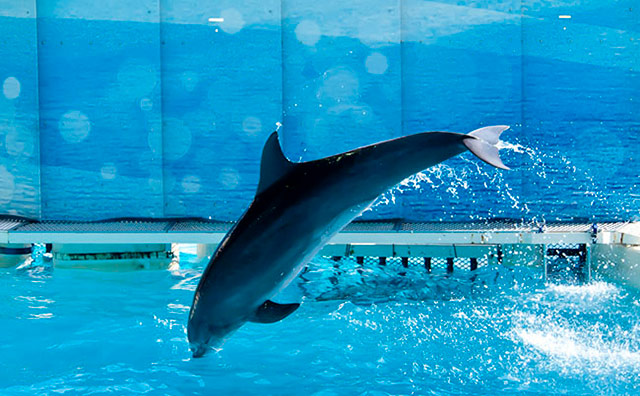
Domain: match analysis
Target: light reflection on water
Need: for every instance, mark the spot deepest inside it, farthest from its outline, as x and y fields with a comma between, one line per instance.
x=496, y=331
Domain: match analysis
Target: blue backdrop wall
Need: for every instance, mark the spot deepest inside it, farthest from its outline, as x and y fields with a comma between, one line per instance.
x=160, y=107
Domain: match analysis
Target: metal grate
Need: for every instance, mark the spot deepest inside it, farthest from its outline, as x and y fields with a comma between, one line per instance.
x=190, y=225
x=197, y=225
x=568, y=227
x=448, y=264
x=502, y=225
x=9, y=224
x=370, y=226
x=492, y=225
x=201, y=226
x=567, y=261
x=95, y=227
x=582, y=227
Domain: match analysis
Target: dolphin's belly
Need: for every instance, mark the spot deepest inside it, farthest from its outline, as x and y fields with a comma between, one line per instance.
x=265, y=256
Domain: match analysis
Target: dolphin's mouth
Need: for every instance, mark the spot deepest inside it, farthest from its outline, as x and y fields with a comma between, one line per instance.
x=199, y=350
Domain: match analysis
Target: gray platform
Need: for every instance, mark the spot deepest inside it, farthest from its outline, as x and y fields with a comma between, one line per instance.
x=385, y=232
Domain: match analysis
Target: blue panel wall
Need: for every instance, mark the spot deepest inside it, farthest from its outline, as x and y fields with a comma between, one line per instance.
x=154, y=109
x=342, y=74
x=222, y=97
x=19, y=147
x=581, y=100
x=461, y=70
x=100, y=108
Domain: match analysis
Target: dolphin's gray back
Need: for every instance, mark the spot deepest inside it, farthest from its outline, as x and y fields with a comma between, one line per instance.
x=380, y=164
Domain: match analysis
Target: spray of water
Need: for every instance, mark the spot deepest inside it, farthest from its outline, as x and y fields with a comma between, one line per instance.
x=497, y=328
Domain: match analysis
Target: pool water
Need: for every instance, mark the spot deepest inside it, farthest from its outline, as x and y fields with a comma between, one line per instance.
x=496, y=331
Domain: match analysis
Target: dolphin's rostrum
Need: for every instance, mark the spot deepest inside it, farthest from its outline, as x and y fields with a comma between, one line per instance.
x=298, y=207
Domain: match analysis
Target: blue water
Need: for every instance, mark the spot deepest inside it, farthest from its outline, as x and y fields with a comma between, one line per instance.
x=498, y=331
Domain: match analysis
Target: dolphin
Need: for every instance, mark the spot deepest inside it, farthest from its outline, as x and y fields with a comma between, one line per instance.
x=297, y=208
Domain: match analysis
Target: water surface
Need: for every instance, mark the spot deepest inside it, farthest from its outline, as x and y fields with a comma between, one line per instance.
x=361, y=331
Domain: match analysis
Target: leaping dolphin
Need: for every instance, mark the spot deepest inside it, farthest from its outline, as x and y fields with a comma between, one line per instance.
x=297, y=208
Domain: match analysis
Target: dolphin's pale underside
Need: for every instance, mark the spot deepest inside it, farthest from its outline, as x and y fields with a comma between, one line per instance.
x=298, y=207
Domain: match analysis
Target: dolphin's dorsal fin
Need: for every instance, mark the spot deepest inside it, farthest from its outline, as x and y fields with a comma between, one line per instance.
x=274, y=164
x=270, y=312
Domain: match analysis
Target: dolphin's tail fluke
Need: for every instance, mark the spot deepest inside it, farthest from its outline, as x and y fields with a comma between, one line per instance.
x=482, y=143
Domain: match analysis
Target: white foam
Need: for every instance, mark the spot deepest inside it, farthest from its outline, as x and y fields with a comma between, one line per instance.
x=518, y=148
x=567, y=345
x=589, y=291
x=576, y=346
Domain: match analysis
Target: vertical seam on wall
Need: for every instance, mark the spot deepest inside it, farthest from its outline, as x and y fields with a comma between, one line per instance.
x=281, y=137
x=39, y=131
x=402, y=113
x=161, y=76
x=522, y=64
x=402, y=22
x=522, y=84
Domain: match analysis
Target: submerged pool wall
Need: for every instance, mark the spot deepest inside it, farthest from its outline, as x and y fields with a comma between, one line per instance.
x=149, y=109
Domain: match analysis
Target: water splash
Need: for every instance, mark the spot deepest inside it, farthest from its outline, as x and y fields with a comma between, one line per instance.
x=545, y=184
x=515, y=147
x=496, y=328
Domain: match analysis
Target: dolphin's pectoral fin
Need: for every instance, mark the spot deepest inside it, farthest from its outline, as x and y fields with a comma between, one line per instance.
x=271, y=312
x=482, y=143
x=273, y=164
